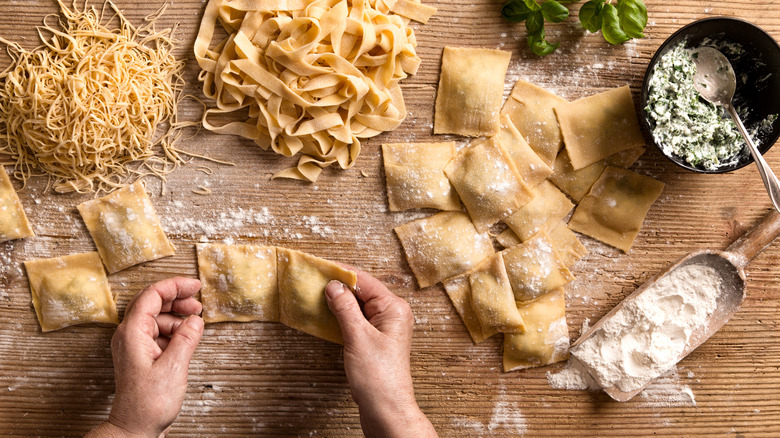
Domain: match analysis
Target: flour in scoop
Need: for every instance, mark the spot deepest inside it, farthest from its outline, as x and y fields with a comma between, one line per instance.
x=646, y=337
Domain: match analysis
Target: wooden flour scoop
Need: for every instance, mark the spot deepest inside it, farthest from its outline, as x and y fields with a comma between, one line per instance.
x=730, y=264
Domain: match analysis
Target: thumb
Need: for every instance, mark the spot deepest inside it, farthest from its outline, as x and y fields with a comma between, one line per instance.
x=344, y=305
x=183, y=343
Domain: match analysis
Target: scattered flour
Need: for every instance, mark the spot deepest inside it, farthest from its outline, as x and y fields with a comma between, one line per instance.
x=647, y=336
x=506, y=417
x=667, y=391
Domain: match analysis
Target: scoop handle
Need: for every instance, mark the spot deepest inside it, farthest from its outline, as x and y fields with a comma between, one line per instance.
x=747, y=247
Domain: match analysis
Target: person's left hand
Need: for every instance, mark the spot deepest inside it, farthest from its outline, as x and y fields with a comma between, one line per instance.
x=152, y=348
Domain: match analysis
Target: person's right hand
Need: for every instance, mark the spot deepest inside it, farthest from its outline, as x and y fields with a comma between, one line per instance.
x=376, y=357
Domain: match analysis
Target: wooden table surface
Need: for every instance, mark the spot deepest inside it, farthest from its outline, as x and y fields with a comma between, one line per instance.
x=268, y=380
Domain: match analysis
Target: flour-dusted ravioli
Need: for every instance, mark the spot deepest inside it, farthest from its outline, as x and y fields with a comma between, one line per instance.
x=442, y=246
x=532, y=168
x=508, y=238
x=548, y=207
x=239, y=282
x=577, y=183
x=535, y=268
x=546, y=339
x=598, y=126
x=13, y=221
x=471, y=88
x=492, y=298
x=569, y=247
x=459, y=290
x=487, y=182
x=615, y=207
x=531, y=110
x=125, y=228
x=415, y=176
x=302, y=303
x=70, y=290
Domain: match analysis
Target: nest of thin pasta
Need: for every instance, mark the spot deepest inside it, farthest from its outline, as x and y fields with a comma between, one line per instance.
x=84, y=107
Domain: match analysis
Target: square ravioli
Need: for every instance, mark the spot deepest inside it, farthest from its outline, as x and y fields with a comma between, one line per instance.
x=531, y=110
x=569, y=247
x=492, y=298
x=70, y=290
x=535, y=268
x=459, y=290
x=487, y=182
x=598, y=126
x=529, y=165
x=125, y=228
x=442, y=246
x=548, y=207
x=13, y=221
x=546, y=339
x=577, y=183
x=471, y=88
x=615, y=207
x=239, y=282
x=302, y=303
x=415, y=176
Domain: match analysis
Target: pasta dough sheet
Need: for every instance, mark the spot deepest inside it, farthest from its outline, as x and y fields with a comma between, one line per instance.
x=487, y=182
x=598, y=126
x=315, y=80
x=492, y=298
x=415, y=176
x=546, y=339
x=535, y=268
x=70, y=290
x=471, y=88
x=548, y=207
x=13, y=221
x=532, y=168
x=239, y=282
x=302, y=303
x=531, y=110
x=443, y=245
x=508, y=238
x=615, y=207
x=569, y=247
x=459, y=290
x=577, y=183
x=125, y=228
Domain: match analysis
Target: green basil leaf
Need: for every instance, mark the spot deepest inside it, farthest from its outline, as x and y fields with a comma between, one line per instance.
x=633, y=17
x=610, y=26
x=515, y=11
x=590, y=15
x=541, y=46
x=532, y=5
x=534, y=23
x=554, y=11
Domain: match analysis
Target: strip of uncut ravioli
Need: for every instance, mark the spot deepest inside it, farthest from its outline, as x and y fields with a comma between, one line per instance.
x=266, y=283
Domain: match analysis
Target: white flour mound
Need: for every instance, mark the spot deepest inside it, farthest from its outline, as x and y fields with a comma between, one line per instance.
x=645, y=338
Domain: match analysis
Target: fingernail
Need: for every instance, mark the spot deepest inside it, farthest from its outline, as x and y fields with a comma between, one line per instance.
x=194, y=322
x=334, y=289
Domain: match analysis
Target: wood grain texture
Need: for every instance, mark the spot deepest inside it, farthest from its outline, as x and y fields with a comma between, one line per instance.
x=265, y=379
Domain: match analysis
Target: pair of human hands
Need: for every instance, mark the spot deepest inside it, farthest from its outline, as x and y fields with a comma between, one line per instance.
x=153, y=345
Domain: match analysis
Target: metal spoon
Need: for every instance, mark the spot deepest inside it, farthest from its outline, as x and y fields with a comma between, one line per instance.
x=716, y=82
x=730, y=264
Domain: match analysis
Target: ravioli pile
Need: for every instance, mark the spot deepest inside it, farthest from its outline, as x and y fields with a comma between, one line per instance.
x=531, y=161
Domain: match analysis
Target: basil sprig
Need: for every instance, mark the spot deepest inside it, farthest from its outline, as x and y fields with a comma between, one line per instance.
x=618, y=22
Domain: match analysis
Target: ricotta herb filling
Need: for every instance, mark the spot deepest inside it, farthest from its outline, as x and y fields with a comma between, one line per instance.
x=686, y=125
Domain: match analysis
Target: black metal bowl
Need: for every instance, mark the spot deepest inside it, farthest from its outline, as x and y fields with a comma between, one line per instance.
x=760, y=60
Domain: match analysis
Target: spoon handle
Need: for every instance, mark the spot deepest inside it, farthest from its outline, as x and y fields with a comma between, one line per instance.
x=770, y=180
x=747, y=247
